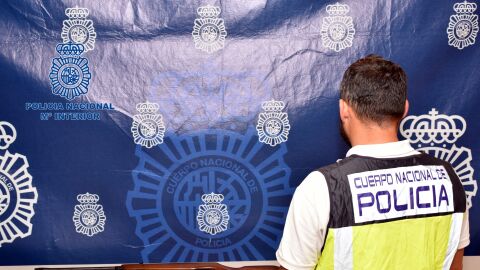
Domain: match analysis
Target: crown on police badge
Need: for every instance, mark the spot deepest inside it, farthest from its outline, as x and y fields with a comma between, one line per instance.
x=465, y=7
x=147, y=107
x=273, y=105
x=208, y=11
x=88, y=198
x=433, y=128
x=70, y=49
x=76, y=13
x=212, y=198
x=337, y=9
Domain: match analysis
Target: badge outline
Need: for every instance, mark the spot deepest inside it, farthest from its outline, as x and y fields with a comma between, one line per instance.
x=88, y=204
x=20, y=183
x=70, y=58
x=464, y=15
x=338, y=17
x=77, y=18
x=149, y=119
x=273, y=113
x=434, y=133
x=212, y=203
x=209, y=18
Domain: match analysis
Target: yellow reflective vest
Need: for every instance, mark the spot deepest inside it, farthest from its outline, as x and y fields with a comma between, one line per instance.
x=398, y=213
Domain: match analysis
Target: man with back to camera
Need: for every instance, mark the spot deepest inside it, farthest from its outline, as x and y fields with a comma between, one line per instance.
x=384, y=206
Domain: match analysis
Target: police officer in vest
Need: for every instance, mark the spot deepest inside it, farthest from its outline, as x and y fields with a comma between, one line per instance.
x=385, y=205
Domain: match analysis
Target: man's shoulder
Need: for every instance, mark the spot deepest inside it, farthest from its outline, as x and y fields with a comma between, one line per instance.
x=313, y=177
x=313, y=182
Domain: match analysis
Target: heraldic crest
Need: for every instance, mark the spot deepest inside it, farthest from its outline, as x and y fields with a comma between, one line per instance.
x=436, y=134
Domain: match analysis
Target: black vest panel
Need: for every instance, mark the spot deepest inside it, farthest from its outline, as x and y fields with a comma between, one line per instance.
x=341, y=207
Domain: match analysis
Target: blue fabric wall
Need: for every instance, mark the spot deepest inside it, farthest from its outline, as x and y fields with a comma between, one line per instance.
x=206, y=115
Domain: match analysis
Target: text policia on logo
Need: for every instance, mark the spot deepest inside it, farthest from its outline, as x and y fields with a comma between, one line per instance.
x=398, y=192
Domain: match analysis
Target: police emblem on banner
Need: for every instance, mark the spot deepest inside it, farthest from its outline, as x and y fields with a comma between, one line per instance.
x=337, y=29
x=77, y=29
x=69, y=75
x=17, y=195
x=436, y=135
x=209, y=31
x=211, y=196
x=212, y=216
x=147, y=127
x=273, y=125
x=192, y=97
x=89, y=217
x=463, y=27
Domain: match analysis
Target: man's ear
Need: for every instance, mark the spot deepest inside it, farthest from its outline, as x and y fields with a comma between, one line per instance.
x=406, y=108
x=344, y=110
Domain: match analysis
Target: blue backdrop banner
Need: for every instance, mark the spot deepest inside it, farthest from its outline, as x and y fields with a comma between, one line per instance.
x=177, y=131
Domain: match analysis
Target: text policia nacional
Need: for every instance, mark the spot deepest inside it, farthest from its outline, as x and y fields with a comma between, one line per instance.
x=391, y=193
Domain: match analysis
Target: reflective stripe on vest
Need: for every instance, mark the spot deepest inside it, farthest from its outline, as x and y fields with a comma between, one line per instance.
x=403, y=213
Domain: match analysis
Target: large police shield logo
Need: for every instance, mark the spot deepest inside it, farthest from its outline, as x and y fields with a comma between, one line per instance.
x=209, y=31
x=212, y=196
x=77, y=29
x=17, y=195
x=337, y=29
x=273, y=125
x=70, y=75
x=463, y=27
x=147, y=127
x=436, y=134
x=88, y=216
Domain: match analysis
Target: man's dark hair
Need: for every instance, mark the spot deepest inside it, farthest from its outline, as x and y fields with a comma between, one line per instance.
x=375, y=88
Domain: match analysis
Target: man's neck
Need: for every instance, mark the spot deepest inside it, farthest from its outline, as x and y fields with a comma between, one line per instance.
x=374, y=135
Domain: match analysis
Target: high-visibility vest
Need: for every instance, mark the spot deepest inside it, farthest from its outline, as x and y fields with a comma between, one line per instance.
x=392, y=213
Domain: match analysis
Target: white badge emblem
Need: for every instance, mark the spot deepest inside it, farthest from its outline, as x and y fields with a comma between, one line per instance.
x=209, y=31
x=337, y=29
x=436, y=134
x=77, y=29
x=148, y=128
x=17, y=195
x=89, y=218
x=463, y=26
x=273, y=126
x=212, y=216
